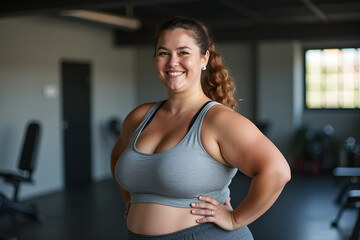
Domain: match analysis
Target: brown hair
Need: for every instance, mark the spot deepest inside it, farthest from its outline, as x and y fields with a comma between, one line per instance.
x=215, y=80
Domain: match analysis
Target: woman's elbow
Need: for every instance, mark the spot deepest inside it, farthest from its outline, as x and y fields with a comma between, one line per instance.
x=284, y=173
x=279, y=172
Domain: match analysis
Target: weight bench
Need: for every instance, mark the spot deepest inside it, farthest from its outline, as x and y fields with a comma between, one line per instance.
x=351, y=176
x=351, y=189
x=352, y=201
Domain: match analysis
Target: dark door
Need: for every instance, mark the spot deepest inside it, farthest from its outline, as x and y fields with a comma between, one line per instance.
x=76, y=122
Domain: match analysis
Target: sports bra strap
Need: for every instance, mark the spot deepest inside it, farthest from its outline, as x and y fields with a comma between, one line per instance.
x=153, y=115
x=191, y=123
x=197, y=114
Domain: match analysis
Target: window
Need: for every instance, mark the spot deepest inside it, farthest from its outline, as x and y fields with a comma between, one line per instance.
x=332, y=78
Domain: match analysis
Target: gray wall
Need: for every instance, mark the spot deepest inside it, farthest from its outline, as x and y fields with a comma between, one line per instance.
x=268, y=75
x=237, y=57
x=31, y=50
x=276, y=90
x=149, y=88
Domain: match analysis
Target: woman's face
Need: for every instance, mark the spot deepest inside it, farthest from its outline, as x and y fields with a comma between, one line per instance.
x=178, y=60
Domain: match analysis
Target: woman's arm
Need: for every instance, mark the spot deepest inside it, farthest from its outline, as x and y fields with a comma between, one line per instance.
x=244, y=147
x=128, y=127
x=118, y=148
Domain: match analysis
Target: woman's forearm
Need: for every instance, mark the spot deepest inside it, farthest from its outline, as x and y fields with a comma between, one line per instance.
x=264, y=190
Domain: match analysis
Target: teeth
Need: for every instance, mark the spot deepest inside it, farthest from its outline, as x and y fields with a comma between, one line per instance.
x=174, y=73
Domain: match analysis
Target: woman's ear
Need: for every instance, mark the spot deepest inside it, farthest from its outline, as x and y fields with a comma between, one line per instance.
x=205, y=58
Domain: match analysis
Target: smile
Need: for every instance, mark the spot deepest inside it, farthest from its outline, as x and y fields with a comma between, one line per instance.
x=174, y=74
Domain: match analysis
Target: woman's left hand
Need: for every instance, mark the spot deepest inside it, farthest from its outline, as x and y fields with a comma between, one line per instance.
x=213, y=211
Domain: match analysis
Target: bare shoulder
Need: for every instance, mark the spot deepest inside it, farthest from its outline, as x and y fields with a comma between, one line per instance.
x=241, y=143
x=225, y=120
x=131, y=122
x=133, y=119
x=139, y=112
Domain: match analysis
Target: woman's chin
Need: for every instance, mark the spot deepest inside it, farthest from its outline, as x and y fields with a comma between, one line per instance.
x=174, y=85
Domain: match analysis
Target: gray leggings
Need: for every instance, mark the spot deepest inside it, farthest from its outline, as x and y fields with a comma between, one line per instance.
x=205, y=231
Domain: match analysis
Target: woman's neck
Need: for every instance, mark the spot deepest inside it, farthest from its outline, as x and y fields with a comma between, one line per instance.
x=177, y=104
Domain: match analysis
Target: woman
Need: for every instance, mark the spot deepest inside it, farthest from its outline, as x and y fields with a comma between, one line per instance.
x=174, y=160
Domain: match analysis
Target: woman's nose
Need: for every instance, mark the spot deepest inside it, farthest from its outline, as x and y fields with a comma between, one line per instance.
x=173, y=61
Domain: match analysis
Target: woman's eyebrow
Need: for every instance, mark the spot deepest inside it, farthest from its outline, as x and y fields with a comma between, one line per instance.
x=179, y=48
x=161, y=48
x=184, y=47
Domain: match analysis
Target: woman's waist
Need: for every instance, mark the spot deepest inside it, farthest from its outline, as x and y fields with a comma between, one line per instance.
x=157, y=219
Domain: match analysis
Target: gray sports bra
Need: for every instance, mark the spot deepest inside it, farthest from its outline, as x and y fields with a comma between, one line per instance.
x=175, y=177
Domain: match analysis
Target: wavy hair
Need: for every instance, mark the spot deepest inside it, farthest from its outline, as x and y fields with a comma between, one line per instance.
x=215, y=80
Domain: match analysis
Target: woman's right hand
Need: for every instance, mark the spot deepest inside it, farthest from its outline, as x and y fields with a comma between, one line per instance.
x=127, y=208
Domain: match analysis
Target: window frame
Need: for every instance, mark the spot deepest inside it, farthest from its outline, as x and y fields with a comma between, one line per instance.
x=306, y=108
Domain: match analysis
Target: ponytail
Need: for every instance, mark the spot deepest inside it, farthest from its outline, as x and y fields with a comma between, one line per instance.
x=216, y=82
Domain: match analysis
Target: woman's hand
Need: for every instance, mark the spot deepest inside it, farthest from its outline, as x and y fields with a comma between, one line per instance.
x=126, y=213
x=213, y=211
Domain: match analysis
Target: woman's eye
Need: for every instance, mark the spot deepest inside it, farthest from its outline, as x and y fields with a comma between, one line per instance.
x=162, y=53
x=184, y=53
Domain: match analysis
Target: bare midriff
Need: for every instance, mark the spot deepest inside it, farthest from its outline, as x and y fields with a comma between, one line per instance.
x=156, y=219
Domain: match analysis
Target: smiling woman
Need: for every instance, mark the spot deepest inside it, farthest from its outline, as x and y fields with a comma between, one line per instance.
x=174, y=160
x=179, y=62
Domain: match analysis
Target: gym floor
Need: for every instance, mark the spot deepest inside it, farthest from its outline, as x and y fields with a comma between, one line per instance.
x=304, y=211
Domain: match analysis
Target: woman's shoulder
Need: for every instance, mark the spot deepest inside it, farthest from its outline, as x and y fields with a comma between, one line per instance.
x=221, y=117
x=220, y=113
x=133, y=119
x=139, y=111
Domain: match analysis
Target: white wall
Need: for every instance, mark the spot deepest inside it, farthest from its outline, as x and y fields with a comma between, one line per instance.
x=31, y=49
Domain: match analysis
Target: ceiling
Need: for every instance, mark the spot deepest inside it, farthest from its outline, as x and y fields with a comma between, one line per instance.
x=229, y=20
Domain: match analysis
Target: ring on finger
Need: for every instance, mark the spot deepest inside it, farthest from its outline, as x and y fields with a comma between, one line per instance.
x=212, y=212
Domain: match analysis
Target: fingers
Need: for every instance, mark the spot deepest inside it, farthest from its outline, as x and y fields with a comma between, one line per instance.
x=211, y=210
x=208, y=203
x=205, y=220
x=206, y=208
x=203, y=212
x=207, y=213
x=209, y=200
x=126, y=213
x=227, y=203
x=203, y=205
